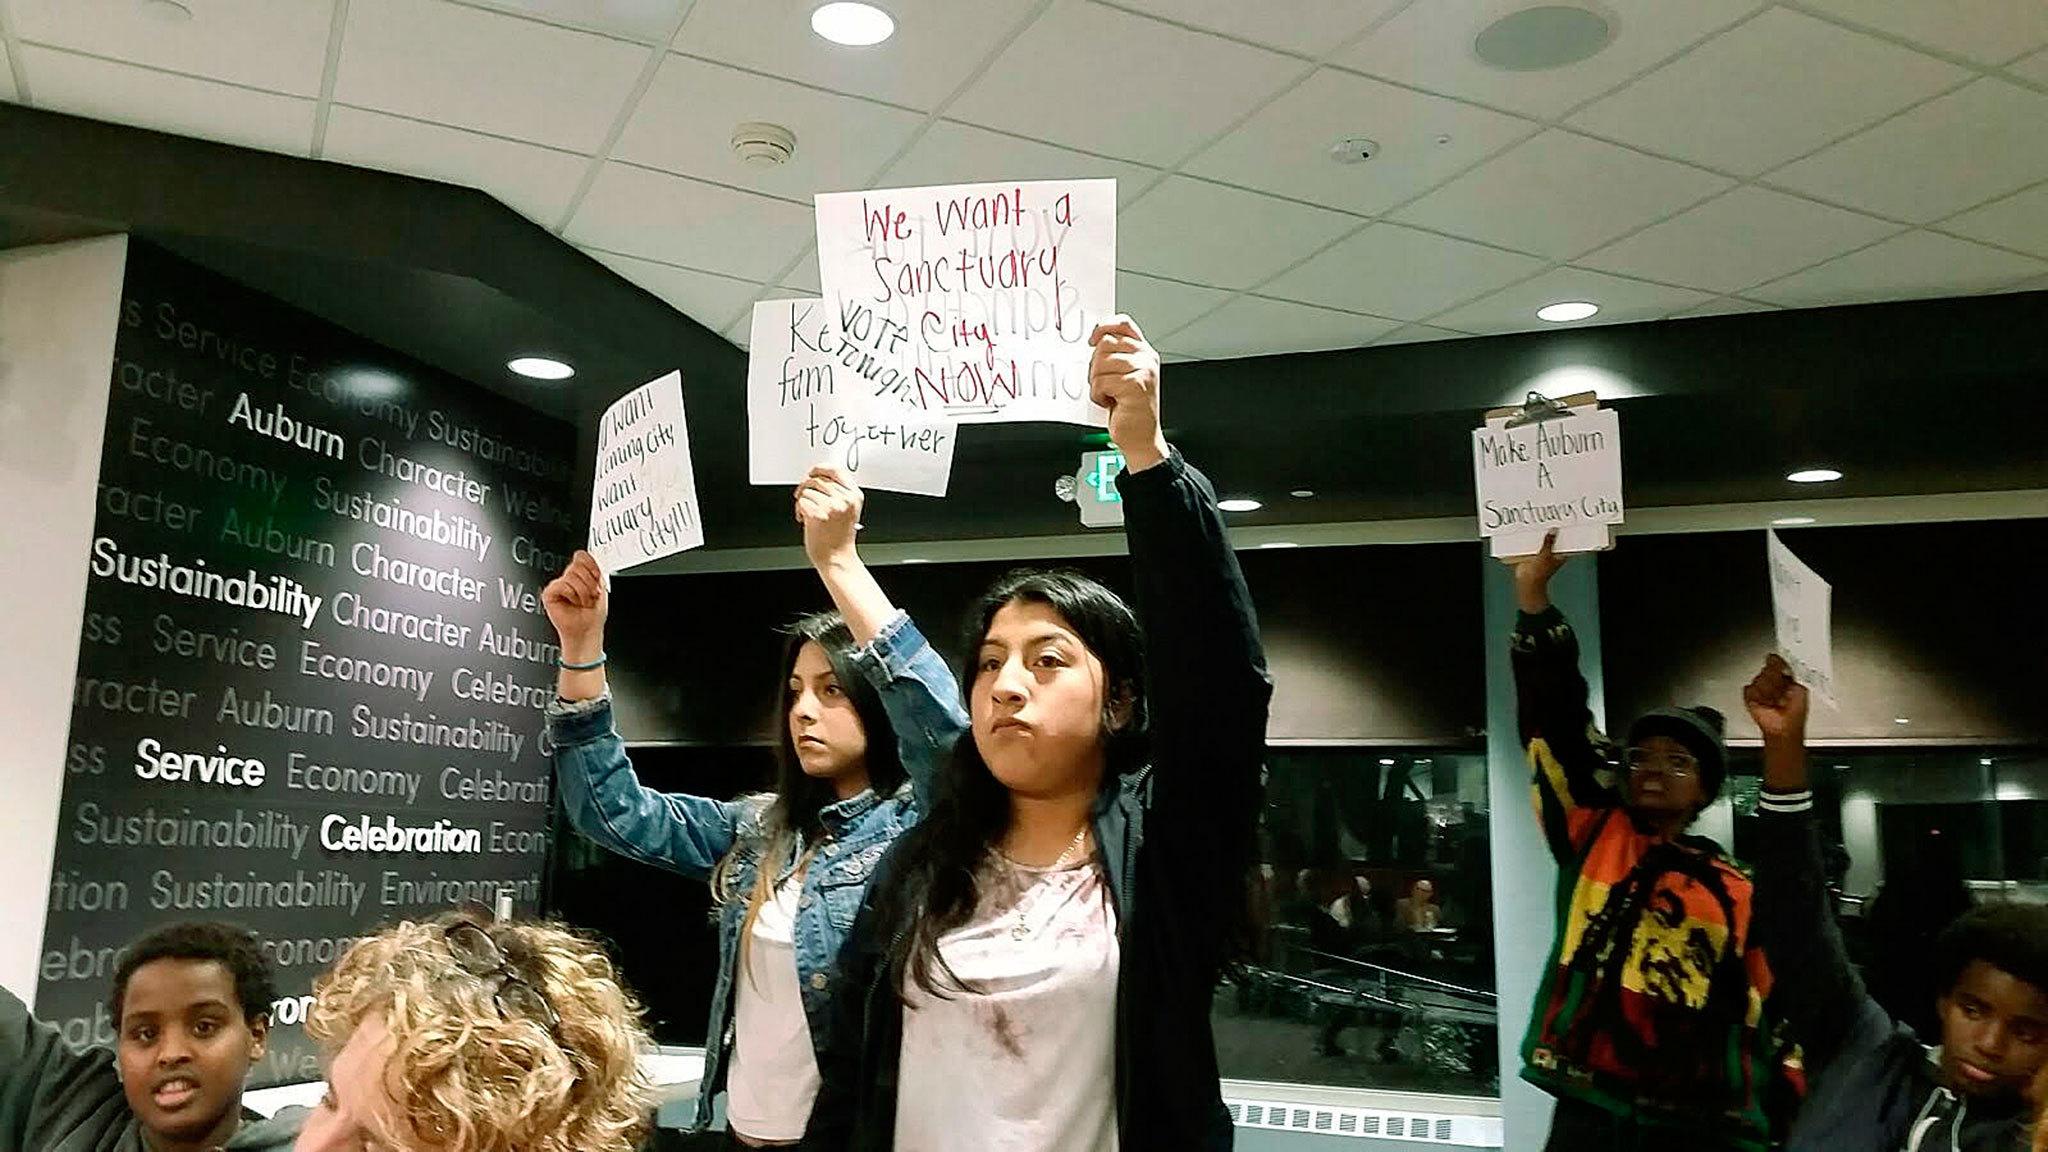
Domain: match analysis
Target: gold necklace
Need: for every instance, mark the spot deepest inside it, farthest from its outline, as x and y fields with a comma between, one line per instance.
x=1022, y=929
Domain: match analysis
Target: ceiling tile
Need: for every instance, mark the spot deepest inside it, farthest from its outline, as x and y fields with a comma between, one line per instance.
x=2018, y=221
x=1951, y=153
x=742, y=331
x=1285, y=147
x=1773, y=89
x=680, y=220
x=1988, y=31
x=1621, y=302
x=1913, y=266
x=1192, y=230
x=1163, y=307
x=1256, y=326
x=685, y=124
x=804, y=277
x=1389, y=270
x=647, y=21
x=125, y=94
x=1417, y=334
x=1309, y=27
x=1560, y=194
x=708, y=299
x=1744, y=238
x=955, y=153
x=7, y=89
x=2033, y=68
x=935, y=49
x=257, y=43
x=1056, y=81
x=1429, y=45
x=533, y=181
x=475, y=69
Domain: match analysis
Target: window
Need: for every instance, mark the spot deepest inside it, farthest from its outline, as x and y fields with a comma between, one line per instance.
x=1372, y=957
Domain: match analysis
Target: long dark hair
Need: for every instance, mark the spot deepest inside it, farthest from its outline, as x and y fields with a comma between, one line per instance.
x=934, y=889
x=792, y=813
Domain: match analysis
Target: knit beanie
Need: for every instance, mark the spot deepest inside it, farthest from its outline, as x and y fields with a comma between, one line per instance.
x=1700, y=730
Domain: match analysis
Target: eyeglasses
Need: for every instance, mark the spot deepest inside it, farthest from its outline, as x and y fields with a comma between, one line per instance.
x=1678, y=764
x=481, y=957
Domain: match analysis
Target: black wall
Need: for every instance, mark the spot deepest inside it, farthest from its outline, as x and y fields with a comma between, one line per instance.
x=388, y=702
x=1371, y=644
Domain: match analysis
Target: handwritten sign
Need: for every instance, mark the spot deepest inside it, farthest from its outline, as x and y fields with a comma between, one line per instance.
x=972, y=302
x=1802, y=606
x=805, y=408
x=643, y=504
x=1561, y=475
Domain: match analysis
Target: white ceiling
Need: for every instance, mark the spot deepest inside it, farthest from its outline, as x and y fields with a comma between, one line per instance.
x=1718, y=156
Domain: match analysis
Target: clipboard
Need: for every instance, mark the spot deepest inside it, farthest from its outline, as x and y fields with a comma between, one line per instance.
x=1539, y=409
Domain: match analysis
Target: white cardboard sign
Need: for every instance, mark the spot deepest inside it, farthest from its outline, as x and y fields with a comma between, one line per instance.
x=972, y=302
x=643, y=503
x=1561, y=475
x=805, y=408
x=1802, y=607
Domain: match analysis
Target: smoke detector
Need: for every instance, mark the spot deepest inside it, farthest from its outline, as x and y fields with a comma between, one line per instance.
x=763, y=145
x=1354, y=150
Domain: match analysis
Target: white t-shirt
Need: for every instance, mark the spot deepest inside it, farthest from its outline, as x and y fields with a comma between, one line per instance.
x=1027, y=1061
x=774, y=1075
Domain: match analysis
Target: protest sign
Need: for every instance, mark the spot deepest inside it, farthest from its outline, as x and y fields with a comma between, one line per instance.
x=1802, y=607
x=805, y=408
x=974, y=302
x=1561, y=474
x=643, y=502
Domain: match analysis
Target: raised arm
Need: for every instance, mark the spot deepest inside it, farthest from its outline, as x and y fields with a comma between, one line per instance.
x=917, y=688
x=51, y=1094
x=1571, y=778
x=1208, y=691
x=1814, y=988
x=601, y=794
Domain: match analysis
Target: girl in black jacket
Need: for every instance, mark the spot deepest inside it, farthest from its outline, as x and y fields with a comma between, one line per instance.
x=1033, y=969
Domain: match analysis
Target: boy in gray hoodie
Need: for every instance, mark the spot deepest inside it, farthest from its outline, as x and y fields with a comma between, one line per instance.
x=191, y=1005
x=1872, y=1084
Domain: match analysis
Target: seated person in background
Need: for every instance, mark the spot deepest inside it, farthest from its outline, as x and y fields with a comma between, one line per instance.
x=191, y=1002
x=463, y=1035
x=1649, y=1023
x=1417, y=911
x=1873, y=1084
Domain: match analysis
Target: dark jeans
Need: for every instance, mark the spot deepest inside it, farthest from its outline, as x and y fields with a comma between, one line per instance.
x=1581, y=1127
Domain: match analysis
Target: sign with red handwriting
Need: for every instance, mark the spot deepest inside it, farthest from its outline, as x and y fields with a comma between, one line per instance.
x=972, y=302
x=643, y=502
x=805, y=408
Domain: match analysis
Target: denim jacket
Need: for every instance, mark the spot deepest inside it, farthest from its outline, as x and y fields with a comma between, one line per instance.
x=605, y=802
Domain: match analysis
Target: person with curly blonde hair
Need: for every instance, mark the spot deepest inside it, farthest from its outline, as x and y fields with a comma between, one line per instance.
x=458, y=1034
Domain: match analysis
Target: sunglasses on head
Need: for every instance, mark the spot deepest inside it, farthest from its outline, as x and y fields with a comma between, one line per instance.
x=469, y=942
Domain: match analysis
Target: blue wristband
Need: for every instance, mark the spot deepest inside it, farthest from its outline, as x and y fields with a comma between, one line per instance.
x=597, y=663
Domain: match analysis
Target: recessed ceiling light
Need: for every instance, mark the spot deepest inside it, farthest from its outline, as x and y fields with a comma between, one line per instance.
x=1985, y=762
x=915, y=560
x=540, y=368
x=854, y=25
x=1279, y=544
x=1302, y=493
x=1791, y=521
x=1566, y=311
x=1814, y=476
x=1542, y=37
x=1239, y=504
x=1386, y=762
x=1901, y=720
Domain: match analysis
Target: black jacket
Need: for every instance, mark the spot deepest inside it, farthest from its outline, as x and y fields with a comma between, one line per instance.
x=1173, y=838
x=1870, y=1082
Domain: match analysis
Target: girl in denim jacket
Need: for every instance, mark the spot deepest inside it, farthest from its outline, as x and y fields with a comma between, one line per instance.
x=868, y=709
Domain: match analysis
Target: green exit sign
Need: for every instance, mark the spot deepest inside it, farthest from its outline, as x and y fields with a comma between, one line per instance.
x=1095, y=489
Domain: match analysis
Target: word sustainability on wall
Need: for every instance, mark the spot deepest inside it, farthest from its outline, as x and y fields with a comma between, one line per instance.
x=314, y=652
